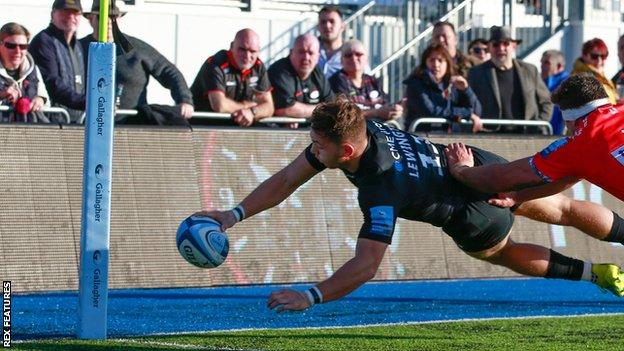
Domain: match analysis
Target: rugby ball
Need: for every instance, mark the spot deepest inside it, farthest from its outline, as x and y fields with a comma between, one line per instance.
x=201, y=242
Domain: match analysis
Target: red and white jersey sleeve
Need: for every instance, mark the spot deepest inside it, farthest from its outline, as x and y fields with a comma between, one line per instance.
x=595, y=152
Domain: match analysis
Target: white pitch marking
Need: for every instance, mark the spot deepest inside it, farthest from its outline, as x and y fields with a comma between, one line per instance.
x=400, y=323
x=179, y=346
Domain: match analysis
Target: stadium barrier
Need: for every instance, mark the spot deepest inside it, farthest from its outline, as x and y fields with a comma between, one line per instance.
x=220, y=116
x=486, y=122
x=161, y=175
x=46, y=110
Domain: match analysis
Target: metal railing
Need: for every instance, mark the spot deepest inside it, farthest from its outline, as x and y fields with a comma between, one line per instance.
x=497, y=122
x=46, y=110
x=224, y=116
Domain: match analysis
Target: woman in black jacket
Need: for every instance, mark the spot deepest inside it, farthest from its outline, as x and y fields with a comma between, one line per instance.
x=433, y=90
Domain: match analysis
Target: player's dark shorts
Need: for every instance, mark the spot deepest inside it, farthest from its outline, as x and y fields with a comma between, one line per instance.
x=479, y=226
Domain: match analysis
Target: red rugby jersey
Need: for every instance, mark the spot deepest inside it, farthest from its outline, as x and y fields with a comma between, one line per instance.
x=595, y=152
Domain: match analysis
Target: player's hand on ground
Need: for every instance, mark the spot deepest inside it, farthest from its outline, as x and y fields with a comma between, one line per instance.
x=458, y=156
x=288, y=300
x=226, y=218
x=503, y=200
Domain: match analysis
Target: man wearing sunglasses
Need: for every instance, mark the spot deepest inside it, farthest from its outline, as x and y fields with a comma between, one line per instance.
x=509, y=88
x=58, y=54
x=20, y=84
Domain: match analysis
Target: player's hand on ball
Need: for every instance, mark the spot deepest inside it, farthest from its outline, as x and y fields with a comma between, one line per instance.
x=288, y=300
x=458, y=156
x=503, y=200
x=226, y=218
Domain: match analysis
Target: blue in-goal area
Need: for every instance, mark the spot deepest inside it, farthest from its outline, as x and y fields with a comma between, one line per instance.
x=155, y=311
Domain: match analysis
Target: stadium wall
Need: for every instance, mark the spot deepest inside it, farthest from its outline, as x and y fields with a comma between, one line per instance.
x=160, y=176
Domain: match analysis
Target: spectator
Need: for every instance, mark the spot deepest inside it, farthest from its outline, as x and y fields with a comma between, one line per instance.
x=618, y=78
x=434, y=90
x=19, y=77
x=298, y=84
x=592, y=60
x=134, y=68
x=478, y=51
x=58, y=54
x=330, y=26
x=365, y=90
x=444, y=34
x=508, y=88
x=235, y=81
x=553, y=73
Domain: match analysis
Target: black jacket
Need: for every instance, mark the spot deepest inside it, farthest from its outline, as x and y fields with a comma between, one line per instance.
x=52, y=55
x=134, y=69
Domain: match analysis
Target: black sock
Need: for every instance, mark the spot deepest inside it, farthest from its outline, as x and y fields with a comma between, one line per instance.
x=616, y=235
x=564, y=267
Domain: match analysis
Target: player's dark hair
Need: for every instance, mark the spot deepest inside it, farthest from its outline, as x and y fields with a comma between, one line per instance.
x=338, y=120
x=578, y=90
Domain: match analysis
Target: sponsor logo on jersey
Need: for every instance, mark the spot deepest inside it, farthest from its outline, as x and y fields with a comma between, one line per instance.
x=382, y=220
x=619, y=154
x=554, y=146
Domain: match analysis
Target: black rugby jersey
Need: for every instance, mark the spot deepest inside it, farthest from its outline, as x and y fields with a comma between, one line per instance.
x=402, y=175
x=220, y=73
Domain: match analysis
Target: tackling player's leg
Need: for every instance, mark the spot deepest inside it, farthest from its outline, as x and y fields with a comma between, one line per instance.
x=591, y=218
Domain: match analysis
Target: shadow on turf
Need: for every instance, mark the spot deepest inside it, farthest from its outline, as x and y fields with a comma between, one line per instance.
x=56, y=346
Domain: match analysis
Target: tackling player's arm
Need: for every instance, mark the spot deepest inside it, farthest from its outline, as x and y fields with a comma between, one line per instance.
x=518, y=197
x=354, y=273
x=493, y=178
x=270, y=193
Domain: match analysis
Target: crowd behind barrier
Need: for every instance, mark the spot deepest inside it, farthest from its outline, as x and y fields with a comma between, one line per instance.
x=485, y=86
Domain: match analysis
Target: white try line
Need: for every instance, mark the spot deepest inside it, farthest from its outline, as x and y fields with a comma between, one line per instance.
x=176, y=346
x=396, y=324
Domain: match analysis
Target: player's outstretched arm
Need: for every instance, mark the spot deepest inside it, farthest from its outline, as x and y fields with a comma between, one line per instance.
x=518, y=197
x=492, y=178
x=268, y=194
x=354, y=273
